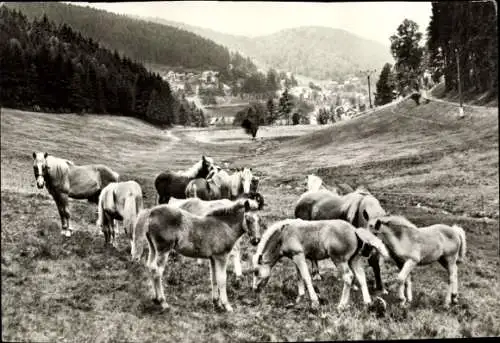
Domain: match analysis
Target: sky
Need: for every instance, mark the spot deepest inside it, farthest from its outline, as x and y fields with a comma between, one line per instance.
x=373, y=20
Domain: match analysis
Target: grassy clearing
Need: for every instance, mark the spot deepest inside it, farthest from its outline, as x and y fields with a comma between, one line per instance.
x=56, y=289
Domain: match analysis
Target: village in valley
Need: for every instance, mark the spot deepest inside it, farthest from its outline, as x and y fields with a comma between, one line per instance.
x=346, y=99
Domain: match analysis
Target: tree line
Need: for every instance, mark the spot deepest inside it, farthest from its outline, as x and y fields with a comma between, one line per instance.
x=54, y=68
x=458, y=32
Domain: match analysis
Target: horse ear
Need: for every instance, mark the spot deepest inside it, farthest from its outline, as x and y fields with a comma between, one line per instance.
x=247, y=205
x=45, y=155
x=34, y=155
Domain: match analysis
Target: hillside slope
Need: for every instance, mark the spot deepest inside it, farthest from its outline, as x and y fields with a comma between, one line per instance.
x=316, y=52
x=415, y=154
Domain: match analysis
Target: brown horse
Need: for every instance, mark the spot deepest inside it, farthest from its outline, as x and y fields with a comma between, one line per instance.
x=119, y=201
x=173, y=184
x=211, y=236
x=357, y=208
x=410, y=246
x=63, y=179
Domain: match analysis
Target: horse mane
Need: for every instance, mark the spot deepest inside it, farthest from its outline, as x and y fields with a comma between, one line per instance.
x=193, y=171
x=58, y=167
x=397, y=221
x=231, y=209
x=352, y=202
x=266, y=236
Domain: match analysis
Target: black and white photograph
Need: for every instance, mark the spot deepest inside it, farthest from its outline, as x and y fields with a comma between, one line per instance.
x=249, y=171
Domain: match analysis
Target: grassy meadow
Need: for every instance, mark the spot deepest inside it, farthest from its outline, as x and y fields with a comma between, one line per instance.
x=420, y=161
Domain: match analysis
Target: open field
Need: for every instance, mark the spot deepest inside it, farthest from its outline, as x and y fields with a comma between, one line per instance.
x=56, y=289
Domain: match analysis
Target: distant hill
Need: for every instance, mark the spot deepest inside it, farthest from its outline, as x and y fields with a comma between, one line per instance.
x=317, y=52
x=140, y=40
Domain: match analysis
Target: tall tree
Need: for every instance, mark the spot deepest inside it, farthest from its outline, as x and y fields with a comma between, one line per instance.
x=385, y=86
x=285, y=105
x=408, y=55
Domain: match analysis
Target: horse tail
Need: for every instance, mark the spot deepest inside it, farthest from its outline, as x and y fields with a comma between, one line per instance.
x=139, y=230
x=129, y=213
x=100, y=210
x=463, y=243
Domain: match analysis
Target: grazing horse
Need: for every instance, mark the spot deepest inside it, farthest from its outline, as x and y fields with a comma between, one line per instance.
x=173, y=184
x=199, y=207
x=211, y=236
x=357, y=208
x=119, y=201
x=299, y=239
x=63, y=179
x=410, y=246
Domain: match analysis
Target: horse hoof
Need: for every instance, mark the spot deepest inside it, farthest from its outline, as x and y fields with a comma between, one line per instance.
x=299, y=299
x=228, y=308
x=156, y=301
x=317, y=277
x=341, y=307
x=384, y=291
x=355, y=288
x=164, y=305
x=237, y=282
x=315, y=304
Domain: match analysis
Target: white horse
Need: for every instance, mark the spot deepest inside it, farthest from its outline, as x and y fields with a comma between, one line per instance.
x=118, y=201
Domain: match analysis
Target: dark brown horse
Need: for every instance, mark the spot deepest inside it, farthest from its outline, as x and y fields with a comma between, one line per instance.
x=173, y=184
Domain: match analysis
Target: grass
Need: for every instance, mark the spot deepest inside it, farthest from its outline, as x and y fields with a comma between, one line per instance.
x=56, y=289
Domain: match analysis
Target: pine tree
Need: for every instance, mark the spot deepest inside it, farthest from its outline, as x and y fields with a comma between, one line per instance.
x=285, y=106
x=385, y=86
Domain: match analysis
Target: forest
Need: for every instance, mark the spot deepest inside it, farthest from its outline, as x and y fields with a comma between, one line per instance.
x=467, y=30
x=53, y=68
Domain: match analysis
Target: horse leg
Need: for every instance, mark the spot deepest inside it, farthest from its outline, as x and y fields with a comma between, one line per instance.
x=213, y=282
x=65, y=206
x=409, y=294
x=402, y=276
x=346, y=290
x=236, y=254
x=149, y=265
x=220, y=274
x=300, y=262
x=359, y=272
x=300, y=287
x=158, y=269
x=452, y=293
x=315, y=270
x=374, y=262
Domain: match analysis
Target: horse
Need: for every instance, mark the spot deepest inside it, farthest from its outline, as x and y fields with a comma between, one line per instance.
x=119, y=201
x=299, y=239
x=357, y=208
x=410, y=246
x=212, y=188
x=173, y=184
x=212, y=236
x=63, y=179
x=237, y=183
x=200, y=207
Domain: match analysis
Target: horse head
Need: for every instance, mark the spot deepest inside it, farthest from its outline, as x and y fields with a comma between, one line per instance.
x=254, y=225
x=313, y=183
x=40, y=167
x=206, y=165
x=370, y=208
x=246, y=179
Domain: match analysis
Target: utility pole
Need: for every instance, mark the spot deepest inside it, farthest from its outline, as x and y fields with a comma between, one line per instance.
x=459, y=83
x=368, y=74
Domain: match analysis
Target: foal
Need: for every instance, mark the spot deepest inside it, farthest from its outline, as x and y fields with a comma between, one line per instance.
x=410, y=246
x=211, y=236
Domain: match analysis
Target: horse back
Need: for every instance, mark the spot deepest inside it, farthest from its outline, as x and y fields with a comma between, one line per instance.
x=172, y=184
